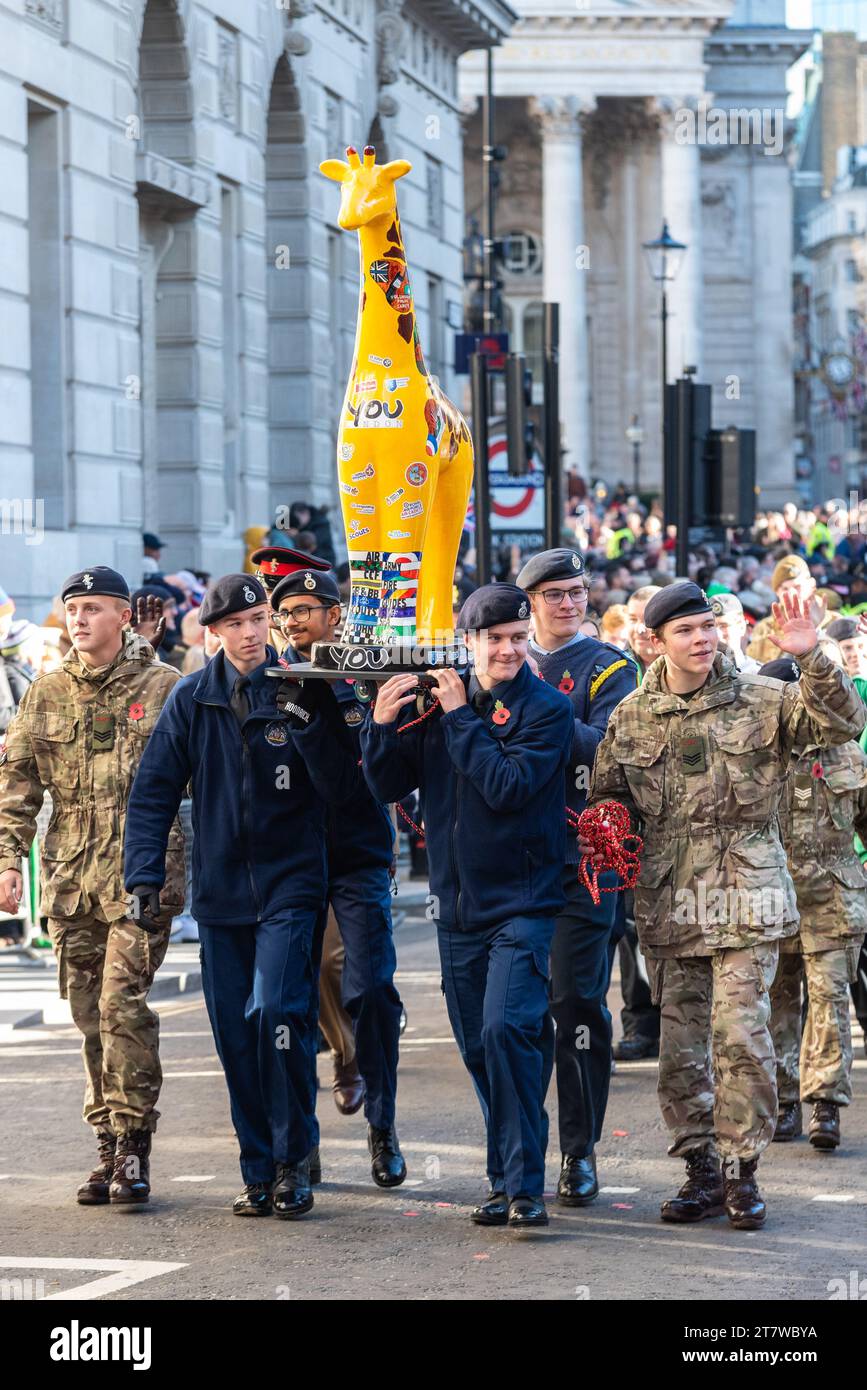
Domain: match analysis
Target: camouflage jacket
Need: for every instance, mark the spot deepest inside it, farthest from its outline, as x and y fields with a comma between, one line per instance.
x=702, y=779
x=79, y=735
x=825, y=799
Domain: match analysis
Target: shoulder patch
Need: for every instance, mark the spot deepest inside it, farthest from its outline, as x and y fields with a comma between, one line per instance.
x=599, y=680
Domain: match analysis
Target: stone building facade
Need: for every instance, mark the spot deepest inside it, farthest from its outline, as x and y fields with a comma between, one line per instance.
x=618, y=115
x=178, y=304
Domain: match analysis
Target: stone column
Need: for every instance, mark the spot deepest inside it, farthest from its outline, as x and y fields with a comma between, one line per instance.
x=567, y=263
x=680, y=186
x=774, y=397
x=631, y=316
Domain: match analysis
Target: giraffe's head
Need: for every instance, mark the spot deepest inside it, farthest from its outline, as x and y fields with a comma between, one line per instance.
x=368, y=187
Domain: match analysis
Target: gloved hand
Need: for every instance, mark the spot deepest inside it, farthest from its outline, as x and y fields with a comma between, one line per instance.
x=144, y=907
x=302, y=702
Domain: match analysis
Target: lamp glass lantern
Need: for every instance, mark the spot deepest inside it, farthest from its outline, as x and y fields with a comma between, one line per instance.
x=664, y=256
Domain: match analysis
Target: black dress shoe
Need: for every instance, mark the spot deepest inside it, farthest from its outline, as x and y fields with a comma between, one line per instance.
x=255, y=1200
x=790, y=1122
x=825, y=1125
x=527, y=1211
x=578, y=1185
x=315, y=1165
x=634, y=1048
x=290, y=1192
x=387, y=1166
x=494, y=1211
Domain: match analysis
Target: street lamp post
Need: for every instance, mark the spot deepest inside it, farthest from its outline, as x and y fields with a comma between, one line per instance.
x=635, y=436
x=664, y=257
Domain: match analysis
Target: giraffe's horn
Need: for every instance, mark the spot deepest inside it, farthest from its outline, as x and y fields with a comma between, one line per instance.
x=369, y=156
x=352, y=156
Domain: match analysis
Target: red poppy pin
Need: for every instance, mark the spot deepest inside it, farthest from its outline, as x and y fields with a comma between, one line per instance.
x=567, y=685
x=136, y=711
x=817, y=770
x=500, y=714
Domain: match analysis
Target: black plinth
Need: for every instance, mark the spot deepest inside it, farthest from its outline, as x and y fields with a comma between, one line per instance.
x=371, y=664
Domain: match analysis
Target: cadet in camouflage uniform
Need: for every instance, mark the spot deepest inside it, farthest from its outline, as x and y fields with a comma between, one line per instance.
x=791, y=576
x=699, y=755
x=826, y=796
x=79, y=735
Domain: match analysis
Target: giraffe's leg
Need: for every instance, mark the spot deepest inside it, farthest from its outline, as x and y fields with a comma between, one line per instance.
x=448, y=514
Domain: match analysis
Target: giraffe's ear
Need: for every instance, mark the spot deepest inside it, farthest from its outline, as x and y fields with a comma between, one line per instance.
x=396, y=168
x=334, y=169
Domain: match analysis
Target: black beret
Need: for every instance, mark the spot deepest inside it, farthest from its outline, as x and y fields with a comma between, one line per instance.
x=493, y=604
x=782, y=668
x=234, y=593
x=151, y=591
x=307, y=583
x=678, y=600
x=841, y=630
x=99, y=579
x=274, y=562
x=550, y=564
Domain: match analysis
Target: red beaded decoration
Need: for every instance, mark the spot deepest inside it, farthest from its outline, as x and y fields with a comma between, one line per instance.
x=607, y=828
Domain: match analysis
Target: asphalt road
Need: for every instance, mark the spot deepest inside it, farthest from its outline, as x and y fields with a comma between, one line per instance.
x=415, y=1242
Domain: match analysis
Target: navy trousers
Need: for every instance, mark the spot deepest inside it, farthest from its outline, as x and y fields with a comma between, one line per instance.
x=582, y=953
x=495, y=981
x=260, y=987
x=362, y=906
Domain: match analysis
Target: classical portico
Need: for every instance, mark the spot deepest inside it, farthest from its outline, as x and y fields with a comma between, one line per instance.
x=601, y=110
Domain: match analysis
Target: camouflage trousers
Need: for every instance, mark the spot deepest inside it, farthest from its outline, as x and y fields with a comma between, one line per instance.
x=817, y=1066
x=717, y=1087
x=105, y=971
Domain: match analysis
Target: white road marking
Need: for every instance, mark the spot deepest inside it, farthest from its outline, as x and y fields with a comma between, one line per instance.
x=195, y=1177
x=834, y=1197
x=126, y=1273
x=612, y=1190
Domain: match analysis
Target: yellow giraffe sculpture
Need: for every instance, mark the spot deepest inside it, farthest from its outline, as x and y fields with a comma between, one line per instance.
x=404, y=453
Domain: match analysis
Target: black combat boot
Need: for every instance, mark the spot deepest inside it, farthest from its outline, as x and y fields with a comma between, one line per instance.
x=291, y=1196
x=825, y=1125
x=130, y=1181
x=94, y=1190
x=790, y=1122
x=387, y=1167
x=701, y=1194
x=745, y=1206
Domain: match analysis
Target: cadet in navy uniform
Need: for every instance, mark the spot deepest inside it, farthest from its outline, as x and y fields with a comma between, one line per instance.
x=260, y=779
x=489, y=767
x=360, y=850
x=595, y=677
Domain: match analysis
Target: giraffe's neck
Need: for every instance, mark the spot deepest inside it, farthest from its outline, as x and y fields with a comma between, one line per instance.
x=384, y=279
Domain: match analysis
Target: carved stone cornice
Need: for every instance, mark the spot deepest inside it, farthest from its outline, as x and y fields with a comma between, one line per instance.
x=165, y=181
x=391, y=32
x=561, y=117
